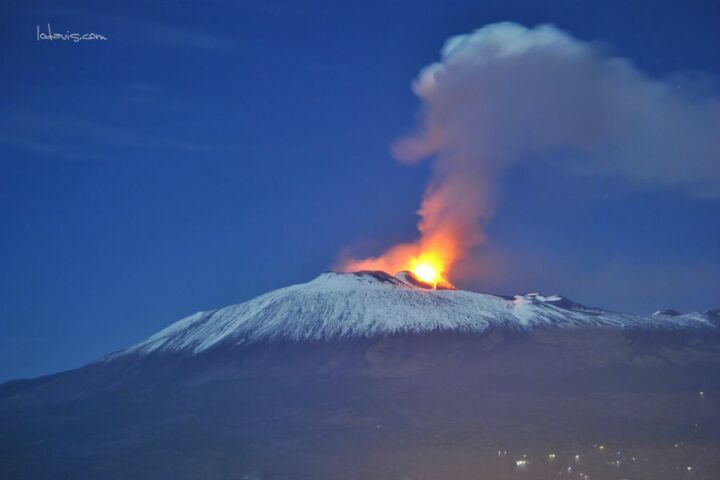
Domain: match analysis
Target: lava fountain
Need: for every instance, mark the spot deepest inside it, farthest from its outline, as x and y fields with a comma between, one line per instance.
x=428, y=260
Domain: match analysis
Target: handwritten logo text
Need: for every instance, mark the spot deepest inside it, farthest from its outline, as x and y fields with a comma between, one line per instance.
x=73, y=37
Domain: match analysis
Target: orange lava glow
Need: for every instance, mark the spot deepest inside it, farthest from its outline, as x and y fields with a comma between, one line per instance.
x=448, y=231
x=429, y=269
x=428, y=261
x=425, y=272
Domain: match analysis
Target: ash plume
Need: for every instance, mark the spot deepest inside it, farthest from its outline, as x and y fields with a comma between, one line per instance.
x=505, y=94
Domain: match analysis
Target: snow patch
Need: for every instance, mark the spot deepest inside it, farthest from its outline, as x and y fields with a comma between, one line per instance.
x=364, y=304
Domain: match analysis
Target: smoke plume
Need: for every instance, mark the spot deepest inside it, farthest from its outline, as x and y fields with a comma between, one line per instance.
x=505, y=93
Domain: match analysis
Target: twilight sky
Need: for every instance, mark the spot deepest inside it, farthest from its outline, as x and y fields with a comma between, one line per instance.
x=210, y=151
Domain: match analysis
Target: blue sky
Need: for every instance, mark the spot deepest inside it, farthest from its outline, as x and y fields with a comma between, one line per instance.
x=210, y=151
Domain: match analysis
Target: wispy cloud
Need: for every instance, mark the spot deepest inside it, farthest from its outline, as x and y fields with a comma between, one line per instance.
x=169, y=35
x=75, y=138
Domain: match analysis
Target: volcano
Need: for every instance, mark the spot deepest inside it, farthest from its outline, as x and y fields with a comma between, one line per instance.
x=367, y=375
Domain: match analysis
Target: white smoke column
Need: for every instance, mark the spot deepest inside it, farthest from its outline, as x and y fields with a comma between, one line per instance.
x=505, y=93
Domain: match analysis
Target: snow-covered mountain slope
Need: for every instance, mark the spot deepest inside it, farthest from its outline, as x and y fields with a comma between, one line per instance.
x=365, y=304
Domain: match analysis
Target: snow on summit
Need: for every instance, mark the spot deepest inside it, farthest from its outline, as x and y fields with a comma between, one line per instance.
x=373, y=303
